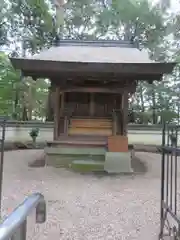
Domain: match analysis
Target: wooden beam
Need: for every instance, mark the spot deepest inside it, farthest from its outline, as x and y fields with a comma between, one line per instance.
x=73, y=76
x=98, y=90
x=103, y=85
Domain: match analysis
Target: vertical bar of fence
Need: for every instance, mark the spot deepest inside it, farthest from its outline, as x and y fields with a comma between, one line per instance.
x=167, y=167
x=3, y=125
x=171, y=168
x=162, y=178
x=175, y=175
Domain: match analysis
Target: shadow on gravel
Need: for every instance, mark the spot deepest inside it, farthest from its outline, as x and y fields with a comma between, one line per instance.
x=138, y=166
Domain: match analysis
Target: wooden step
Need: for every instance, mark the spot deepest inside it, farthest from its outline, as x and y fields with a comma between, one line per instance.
x=94, y=117
x=82, y=138
x=91, y=120
x=91, y=123
x=90, y=131
x=90, y=126
x=77, y=143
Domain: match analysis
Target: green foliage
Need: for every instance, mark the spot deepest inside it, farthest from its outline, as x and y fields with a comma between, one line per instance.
x=34, y=133
x=9, y=79
x=27, y=27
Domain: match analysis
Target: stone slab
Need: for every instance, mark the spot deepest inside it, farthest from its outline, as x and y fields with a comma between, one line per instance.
x=75, y=151
x=87, y=166
x=118, y=162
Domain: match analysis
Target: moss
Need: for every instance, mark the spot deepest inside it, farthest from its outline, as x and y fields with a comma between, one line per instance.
x=87, y=166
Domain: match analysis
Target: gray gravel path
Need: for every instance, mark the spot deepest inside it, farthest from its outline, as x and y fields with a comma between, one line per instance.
x=84, y=206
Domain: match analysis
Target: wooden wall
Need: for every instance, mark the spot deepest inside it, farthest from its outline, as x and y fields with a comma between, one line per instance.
x=103, y=103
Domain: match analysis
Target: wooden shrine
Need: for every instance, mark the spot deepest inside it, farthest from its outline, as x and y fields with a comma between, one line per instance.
x=91, y=82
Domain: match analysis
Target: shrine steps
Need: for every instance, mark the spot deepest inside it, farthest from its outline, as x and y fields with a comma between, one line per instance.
x=90, y=126
x=87, y=166
x=79, y=141
x=65, y=159
x=67, y=150
x=80, y=153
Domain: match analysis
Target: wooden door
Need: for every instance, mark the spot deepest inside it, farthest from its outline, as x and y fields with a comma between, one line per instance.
x=78, y=103
x=105, y=103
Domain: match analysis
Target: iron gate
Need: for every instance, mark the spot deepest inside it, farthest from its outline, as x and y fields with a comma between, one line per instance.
x=170, y=206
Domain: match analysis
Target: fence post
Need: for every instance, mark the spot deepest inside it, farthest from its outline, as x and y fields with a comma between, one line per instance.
x=2, y=139
x=162, y=178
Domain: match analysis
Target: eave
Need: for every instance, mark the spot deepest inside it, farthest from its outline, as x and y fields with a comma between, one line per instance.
x=71, y=70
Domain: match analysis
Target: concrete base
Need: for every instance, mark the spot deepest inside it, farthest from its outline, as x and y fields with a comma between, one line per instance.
x=118, y=162
x=64, y=156
x=87, y=166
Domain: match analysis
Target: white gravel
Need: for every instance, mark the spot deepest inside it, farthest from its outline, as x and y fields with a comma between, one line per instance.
x=85, y=206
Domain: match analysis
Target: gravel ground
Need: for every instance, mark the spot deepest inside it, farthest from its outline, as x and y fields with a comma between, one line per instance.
x=86, y=206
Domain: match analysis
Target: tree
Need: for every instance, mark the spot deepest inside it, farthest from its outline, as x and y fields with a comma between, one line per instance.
x=31, y=27
x=9, y=79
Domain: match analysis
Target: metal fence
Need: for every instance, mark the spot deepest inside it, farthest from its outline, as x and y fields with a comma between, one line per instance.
x=170, y=207
x=14, y=227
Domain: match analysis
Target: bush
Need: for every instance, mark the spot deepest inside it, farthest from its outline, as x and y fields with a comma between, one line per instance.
x=34, y=133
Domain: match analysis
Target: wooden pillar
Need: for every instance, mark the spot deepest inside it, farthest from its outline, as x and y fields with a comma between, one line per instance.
x=56, y=112
x=124, y=107
x=114, y=123
x=92, y=104
x=62, y=103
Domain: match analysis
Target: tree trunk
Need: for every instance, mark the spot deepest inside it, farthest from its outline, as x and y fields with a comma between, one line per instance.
x=24, y=114
x=30, y=103
x=142, y=98
x=153, y=106
x=16, y=101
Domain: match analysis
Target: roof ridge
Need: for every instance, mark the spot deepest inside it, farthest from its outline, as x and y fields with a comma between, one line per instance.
x=96, y=43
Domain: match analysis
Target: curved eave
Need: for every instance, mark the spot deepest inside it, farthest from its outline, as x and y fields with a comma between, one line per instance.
x=47, y=69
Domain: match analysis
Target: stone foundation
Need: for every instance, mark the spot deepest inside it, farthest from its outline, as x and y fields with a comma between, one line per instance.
x=118, y=162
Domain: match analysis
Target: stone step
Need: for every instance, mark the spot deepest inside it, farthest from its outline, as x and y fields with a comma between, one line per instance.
x=75, y=151
x=76, y=143
x=87, y=166
x=65, y=161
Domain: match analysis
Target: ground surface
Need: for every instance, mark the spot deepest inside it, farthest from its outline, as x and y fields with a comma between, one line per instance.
x=84, y=206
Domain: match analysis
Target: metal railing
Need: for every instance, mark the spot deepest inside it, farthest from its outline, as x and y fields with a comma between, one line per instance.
x=14, y=227
x=2, y=141
x=170, y=219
